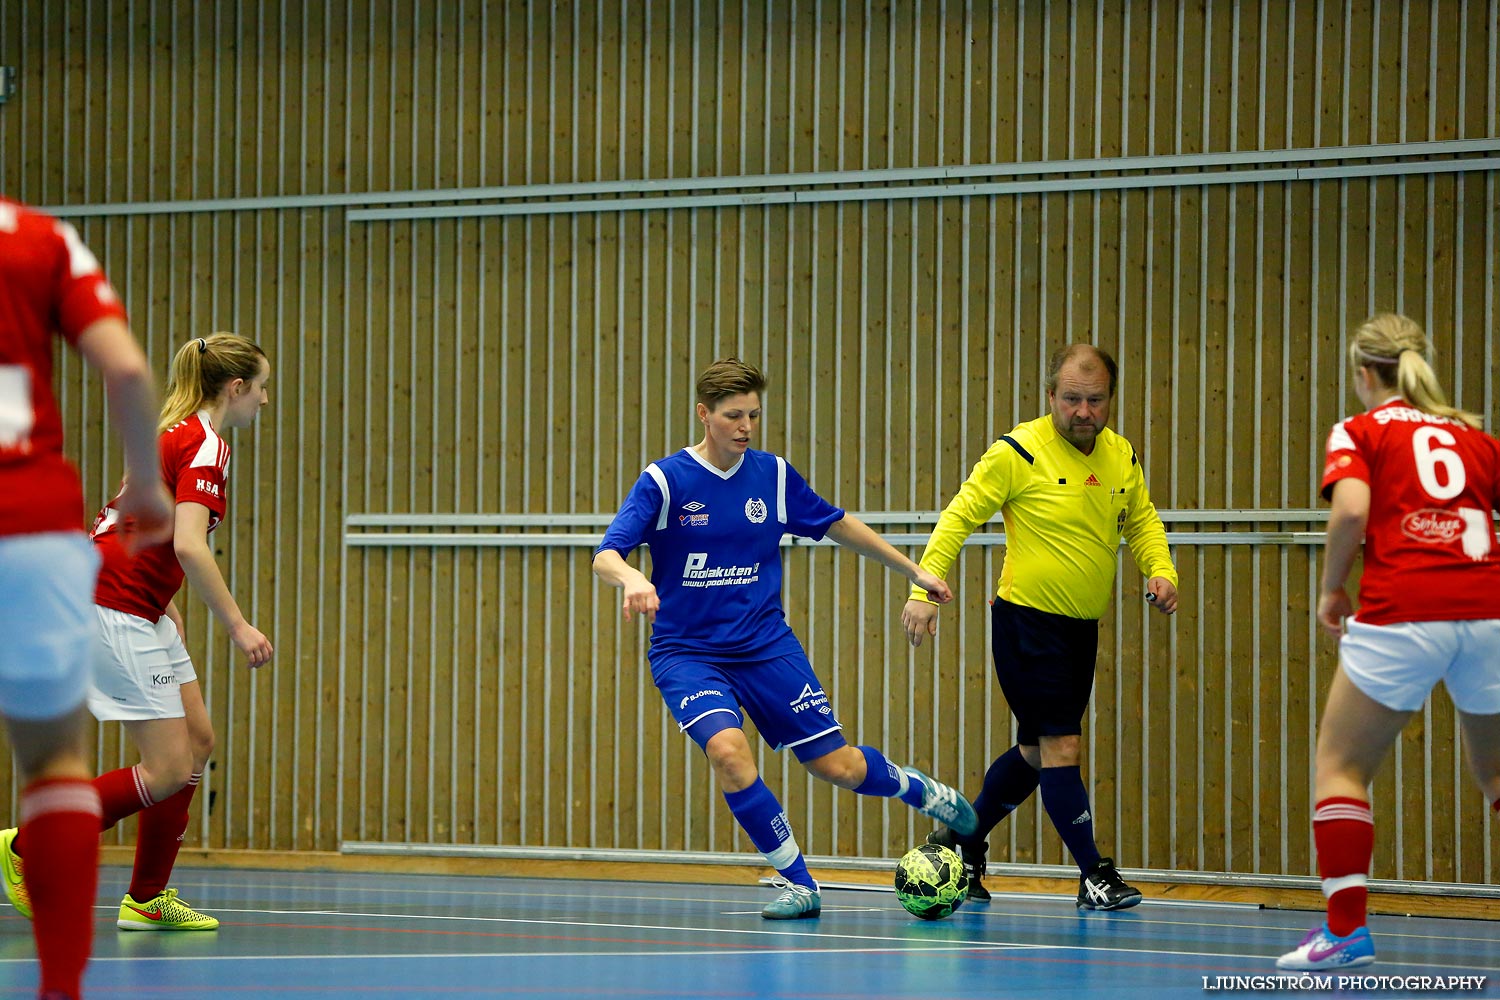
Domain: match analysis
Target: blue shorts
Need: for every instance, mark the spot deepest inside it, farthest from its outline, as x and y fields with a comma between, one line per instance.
x=782, y=696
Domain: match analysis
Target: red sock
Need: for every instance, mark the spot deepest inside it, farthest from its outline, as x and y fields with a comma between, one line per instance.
x=121, y=793
x=62, y=874
x=1344, y=830
x=158, y=841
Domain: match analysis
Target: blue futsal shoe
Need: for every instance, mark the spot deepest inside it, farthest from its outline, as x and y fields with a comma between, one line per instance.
x=797, y=903
x=945, y=805
x=1322, y=949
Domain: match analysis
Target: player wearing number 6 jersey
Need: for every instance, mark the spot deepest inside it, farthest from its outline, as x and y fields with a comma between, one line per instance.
x=1418, y=481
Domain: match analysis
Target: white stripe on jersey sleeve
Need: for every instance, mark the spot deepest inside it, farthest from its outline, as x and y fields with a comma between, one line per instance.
x=666, y=495
x=213, y=452
x=780, y=490
x=1339, y=439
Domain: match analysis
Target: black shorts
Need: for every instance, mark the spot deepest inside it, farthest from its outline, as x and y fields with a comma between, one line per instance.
x=1045, y=664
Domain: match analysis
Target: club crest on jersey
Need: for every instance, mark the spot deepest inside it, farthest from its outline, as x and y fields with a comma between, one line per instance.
x=755, y=510
x=1432, y=526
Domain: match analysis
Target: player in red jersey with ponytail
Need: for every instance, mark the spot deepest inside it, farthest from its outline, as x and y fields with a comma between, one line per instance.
x=145, y=678
x=52, y=286
x=1418, y=482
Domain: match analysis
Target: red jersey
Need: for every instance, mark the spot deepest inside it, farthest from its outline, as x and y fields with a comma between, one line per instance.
x=50, y=285
x=195, y=466
x=1430, y=548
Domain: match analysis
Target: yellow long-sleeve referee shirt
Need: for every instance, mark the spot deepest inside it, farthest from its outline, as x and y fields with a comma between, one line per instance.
x=1065, y=513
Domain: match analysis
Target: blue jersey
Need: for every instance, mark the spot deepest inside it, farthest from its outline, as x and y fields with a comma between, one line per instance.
x=715, y=541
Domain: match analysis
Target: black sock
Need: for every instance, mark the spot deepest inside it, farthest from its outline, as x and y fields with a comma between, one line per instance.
x=1068, y=806
x=1008, y=783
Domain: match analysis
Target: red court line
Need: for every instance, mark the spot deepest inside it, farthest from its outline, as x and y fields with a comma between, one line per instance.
x=716, y=945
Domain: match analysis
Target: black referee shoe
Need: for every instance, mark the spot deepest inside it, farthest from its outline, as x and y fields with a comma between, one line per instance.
x=1102, y=888
x=973, y=858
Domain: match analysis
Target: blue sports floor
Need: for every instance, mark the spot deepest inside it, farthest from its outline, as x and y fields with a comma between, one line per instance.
x=300, y=934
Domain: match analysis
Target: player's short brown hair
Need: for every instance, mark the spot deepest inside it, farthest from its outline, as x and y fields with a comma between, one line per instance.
x=728, y=377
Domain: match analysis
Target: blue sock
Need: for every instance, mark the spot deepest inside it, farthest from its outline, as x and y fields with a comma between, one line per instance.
x=889, y=781
x=1068, y=807
x=761, y=816
x=1009, y=782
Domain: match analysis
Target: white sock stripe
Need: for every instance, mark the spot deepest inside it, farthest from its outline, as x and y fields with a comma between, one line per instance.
x=784, y=855
x=1342, y=810
x=141, y=790
x=195, y=778
x=60, y=797
x=1333, y=885
x=903, y=779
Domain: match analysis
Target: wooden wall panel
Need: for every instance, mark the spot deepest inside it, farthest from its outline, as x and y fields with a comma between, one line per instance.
x=533, y=363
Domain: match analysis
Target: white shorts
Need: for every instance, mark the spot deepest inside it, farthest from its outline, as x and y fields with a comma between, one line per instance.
x=1399, y=664
x=142, y=667
x=46, y=630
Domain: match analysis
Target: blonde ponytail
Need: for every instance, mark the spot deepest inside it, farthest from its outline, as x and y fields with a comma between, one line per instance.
x=201, y=368
x=1395, y=348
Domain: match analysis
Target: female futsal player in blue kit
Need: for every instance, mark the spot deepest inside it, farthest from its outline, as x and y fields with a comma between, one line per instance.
x=713, y=515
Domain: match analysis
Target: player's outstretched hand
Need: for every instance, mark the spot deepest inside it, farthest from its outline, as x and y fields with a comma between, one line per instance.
x=919, y=619
x=250, y=641
x=641, y=599
x=1333, y=607
x=148, y=514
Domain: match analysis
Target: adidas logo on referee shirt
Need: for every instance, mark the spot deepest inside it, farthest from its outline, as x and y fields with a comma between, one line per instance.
x=1092, y=480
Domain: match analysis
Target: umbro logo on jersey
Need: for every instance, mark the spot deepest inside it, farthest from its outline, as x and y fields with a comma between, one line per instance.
x=695, y=516
x=1092, y=480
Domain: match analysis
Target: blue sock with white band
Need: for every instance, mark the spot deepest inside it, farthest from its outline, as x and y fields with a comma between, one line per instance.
x=761, y=817
x=887, y=780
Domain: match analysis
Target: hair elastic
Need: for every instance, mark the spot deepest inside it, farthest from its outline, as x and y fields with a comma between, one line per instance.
x=202, y=345
x=1378, y=359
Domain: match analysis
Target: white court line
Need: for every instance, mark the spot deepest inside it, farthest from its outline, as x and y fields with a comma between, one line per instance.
x=603, y=925
x=1070, y=916
x=905, y=942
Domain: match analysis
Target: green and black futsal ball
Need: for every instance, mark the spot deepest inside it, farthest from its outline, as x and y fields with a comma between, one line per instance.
x=930, y=881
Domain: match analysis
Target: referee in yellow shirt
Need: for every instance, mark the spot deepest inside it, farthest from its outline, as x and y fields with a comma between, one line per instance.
x=1069, y=488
